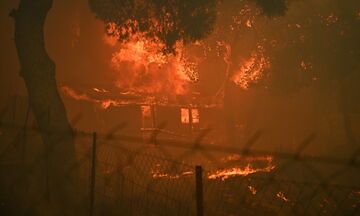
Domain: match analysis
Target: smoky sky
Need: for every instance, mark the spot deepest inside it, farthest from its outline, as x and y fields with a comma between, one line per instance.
x=312, y=45
x=272, y=7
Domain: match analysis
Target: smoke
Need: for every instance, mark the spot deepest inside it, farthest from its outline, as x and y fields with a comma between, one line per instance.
x=312, y=51
x=272, y=8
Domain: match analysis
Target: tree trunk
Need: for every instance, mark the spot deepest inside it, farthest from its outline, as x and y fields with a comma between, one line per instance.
x=38, y=71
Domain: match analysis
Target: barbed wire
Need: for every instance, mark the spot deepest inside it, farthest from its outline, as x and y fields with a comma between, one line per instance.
x=198, y=145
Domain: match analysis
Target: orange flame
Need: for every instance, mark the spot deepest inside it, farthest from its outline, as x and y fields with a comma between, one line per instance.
x=156, y=174
x=85, y=97
x=281, y=195
x=235, y=171
x=252, y=190
x=251, y=70
x=142, y=67
x=237, y=157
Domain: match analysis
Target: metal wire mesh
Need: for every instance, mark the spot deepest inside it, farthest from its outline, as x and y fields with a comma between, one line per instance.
x=153, y=176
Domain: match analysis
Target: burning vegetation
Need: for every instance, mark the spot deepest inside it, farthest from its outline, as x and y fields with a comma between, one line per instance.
x=171, y=84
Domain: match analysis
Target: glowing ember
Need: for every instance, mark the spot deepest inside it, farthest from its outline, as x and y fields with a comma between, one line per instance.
x=356, y=192
x=237, y=157
x=331, y=19
x=248, y=23
x=252, y=190
x=251, y=70
x=100, y=90
x=231, y=172
x=169, y=176
x=281, y=195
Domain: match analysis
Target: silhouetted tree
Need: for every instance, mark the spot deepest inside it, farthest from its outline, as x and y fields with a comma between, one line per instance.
x=322, y=53
x=38, y=71
x=168, y=21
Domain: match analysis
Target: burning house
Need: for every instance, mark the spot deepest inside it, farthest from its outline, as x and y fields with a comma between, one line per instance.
x=151, y=91
x=181, y=120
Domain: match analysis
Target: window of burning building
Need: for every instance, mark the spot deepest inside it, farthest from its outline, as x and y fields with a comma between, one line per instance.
x=190, y=116
x=147, y=114
x=195, y=116
x=185, y=116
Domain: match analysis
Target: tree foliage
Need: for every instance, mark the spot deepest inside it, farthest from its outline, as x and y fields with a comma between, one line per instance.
x=167, y=21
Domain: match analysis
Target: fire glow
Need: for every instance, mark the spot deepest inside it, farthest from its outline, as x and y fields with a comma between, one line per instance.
x=143, y=73
x=242, y=171
x=156, y=174
x=226, y=173
x=236, y=171
x=251, y=70
x=219, y=174
x=141, y=66
x=281, y=196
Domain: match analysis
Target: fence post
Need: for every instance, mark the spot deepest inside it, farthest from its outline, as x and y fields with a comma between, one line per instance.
x=93, y=176
x=13, y=117
x=23, y=146
x=47, y=158
x=199, y=192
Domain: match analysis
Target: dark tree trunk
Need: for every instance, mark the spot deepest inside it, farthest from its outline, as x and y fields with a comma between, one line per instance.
x=38, y=71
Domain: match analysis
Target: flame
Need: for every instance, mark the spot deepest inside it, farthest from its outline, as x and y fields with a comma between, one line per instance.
x=85, y=97
x=156, y=174
x=237, y=171
x=241, y=171
x=281, y=195
x=251, y=70
x=252, y=190
x=237, y=157
x=135, y=99
x=70, y=92
x=248, y=23
x=331, y=19
x=222, y=174
x=146, y=111
x=225, y=173
x=100, y=90
x=142, y=67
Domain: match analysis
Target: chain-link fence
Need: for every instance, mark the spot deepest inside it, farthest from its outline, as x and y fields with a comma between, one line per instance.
x=120, y=174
